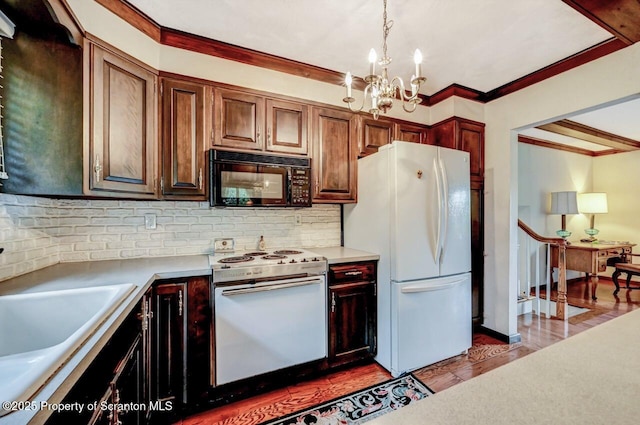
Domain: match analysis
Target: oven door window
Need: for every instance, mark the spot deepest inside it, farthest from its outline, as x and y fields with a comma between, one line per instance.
x=251, y=185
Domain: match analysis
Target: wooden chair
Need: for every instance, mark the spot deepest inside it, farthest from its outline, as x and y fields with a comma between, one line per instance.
x=628, y=268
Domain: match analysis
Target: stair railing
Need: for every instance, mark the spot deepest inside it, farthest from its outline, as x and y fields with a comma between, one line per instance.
x=561, y=303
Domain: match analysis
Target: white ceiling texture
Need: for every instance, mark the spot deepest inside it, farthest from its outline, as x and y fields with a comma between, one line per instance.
x=479, y=44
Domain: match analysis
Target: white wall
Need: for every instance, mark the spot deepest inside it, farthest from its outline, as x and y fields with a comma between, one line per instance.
x=599, y=82
x=542, y=171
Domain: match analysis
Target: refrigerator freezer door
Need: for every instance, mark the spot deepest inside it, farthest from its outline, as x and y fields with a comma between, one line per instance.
x=415, y=211
x=456, y=241
x=431, y=321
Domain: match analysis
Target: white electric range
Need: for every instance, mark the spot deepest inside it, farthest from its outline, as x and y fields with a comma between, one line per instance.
x=270, y=311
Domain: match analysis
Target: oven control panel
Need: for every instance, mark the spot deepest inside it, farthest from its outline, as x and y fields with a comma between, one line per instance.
x=274, y=271
x=300, y=187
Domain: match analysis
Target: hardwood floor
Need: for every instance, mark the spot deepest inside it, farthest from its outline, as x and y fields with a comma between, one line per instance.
x=486, y=354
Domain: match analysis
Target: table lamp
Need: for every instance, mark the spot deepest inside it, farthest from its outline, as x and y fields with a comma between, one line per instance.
x=592, y=203
x=564, y=203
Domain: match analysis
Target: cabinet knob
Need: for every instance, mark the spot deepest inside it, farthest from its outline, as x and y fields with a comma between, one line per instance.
x=200, y=179
x=333, y=302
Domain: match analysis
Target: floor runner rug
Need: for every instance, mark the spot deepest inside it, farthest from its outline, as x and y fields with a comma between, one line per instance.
x=360, y=406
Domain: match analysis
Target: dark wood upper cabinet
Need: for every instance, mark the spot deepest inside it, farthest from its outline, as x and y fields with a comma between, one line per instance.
x=334, y=156
x=472, y=141
x=411, y=133
x=238, y=120
x=444, y=134
x=184, y=130
x=245, y=120
x=121, y=113
x=287, y=126
x=373, y=134
x=462, y=134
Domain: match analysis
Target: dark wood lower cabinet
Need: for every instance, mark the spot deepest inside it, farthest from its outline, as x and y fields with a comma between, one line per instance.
x=168, y=336
x=180, y=344
x=352, y=312
x=115, y=378
x=155, y=363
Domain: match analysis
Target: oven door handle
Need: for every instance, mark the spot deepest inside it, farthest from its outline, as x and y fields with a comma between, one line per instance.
x=273, y=287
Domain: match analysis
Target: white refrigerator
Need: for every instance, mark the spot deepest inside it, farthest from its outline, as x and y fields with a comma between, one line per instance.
x=413, y=210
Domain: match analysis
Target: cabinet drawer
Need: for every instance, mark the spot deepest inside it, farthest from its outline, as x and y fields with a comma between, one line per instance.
x=352, y=272
x=602, y=265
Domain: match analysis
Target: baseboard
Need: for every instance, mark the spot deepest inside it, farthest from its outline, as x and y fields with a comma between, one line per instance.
x=507, y=339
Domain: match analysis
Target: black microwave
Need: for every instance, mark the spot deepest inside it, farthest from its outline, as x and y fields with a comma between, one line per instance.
x=240, y=179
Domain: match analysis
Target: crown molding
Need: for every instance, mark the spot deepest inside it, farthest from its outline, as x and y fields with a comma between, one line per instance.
x=183, y=40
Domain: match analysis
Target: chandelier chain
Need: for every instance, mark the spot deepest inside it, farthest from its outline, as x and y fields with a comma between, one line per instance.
x=386, y=27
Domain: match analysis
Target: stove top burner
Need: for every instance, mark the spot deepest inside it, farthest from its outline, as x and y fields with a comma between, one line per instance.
x=255, y=253
x=287, y=252
x=239, y=259
x=274, y=257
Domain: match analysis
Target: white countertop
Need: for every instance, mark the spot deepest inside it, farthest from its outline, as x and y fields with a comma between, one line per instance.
x=140, y=272
x=340, y=254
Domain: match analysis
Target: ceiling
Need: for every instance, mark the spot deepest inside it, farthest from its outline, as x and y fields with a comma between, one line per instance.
x=479, y=45
x=452, y=35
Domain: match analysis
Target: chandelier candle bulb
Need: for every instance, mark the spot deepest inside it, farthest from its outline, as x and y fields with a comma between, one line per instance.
x=417, y=58
x=372, y=61
x=348, y=81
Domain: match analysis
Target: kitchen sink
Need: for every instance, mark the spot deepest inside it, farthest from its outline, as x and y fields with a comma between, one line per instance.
x=40, y=331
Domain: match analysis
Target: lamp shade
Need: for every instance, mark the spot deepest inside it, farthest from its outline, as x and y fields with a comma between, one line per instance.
x=564, y=203
x=593, y=203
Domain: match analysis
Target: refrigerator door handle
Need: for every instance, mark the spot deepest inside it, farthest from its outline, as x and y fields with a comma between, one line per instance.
x=436, y=251
x=427, y=287
x=445, y=209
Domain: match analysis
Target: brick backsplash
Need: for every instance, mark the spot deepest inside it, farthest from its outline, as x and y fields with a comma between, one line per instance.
x=38, y=232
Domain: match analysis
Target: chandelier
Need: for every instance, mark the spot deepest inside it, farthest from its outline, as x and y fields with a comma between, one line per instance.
x=380, y=89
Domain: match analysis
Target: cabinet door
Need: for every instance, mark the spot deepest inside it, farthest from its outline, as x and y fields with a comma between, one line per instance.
x=444, y=134
x=334, y=156
x=181, y=341
x=287, y=126
x=127, y=387
x=411, y=133
x=239, y=120
x=183, y=140
x=352, y=309
x=471, y=139
x=121, y=105
x=477, y=254
x=374, y=133
x=199, y=337
x=169, y=342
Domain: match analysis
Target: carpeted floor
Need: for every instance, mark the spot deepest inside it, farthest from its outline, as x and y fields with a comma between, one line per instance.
x=590, y=378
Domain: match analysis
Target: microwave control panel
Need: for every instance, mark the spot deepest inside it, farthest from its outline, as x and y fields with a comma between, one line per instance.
x=300, y=187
